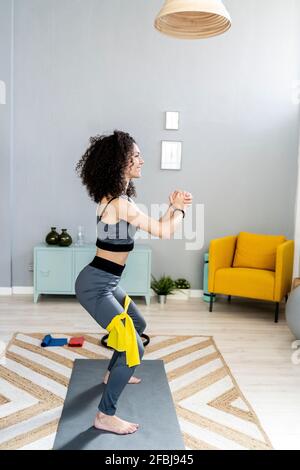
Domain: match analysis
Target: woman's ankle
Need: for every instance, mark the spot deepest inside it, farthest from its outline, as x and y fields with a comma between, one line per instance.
x=100, y=414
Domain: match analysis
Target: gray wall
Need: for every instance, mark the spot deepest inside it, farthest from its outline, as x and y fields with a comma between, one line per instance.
x=84, y=67
x=5, y=143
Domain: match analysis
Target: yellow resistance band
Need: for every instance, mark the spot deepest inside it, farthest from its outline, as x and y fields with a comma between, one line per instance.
x=123, y=337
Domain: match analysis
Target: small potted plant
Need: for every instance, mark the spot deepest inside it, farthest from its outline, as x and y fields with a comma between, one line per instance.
x=182, y=288
x=163, y=287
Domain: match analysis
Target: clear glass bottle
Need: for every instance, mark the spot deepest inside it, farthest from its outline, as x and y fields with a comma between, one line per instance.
x=80, y=236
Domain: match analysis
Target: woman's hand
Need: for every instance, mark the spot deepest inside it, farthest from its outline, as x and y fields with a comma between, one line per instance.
x=188, y=199
x=180, y=199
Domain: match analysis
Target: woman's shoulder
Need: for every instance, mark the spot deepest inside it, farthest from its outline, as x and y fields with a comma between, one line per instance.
x=108, y=200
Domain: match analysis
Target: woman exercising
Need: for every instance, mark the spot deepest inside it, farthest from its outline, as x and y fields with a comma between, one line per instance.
x=107, y=169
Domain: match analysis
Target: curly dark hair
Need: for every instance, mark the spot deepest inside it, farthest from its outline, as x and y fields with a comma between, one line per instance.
x=101, y=168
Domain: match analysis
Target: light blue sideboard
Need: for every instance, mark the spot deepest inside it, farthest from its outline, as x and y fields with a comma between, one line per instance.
x=56, y=269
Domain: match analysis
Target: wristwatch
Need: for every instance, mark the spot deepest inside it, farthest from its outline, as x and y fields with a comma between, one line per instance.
x=176, y=209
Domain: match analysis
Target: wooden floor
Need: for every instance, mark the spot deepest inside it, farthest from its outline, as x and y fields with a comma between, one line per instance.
x=257, y=350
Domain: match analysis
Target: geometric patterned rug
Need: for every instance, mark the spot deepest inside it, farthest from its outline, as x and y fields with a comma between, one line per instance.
x=211, y=409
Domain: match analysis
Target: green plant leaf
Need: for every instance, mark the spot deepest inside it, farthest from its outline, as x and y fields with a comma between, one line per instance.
x=163, y=286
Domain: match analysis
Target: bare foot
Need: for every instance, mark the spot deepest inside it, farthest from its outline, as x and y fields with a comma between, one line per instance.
x=132, y=380
x=114, y=424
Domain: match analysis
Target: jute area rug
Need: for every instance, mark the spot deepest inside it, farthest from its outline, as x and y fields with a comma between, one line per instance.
x=211, y=409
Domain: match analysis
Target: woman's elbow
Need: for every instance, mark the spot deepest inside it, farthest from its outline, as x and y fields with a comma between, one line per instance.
x=165, y=235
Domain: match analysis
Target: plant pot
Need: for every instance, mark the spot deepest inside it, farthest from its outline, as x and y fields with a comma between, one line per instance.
x=181, y=294
x=162, y=299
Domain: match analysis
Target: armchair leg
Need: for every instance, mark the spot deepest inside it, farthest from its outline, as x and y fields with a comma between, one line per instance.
x=229, y=298
x=286, y=297
x=276, y=312
x=211, y=302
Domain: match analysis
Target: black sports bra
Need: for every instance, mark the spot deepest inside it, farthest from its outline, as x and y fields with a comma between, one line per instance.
x=115, y=237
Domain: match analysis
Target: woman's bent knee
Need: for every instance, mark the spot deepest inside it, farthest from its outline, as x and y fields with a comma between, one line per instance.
x=141, y=347
x=142, y=326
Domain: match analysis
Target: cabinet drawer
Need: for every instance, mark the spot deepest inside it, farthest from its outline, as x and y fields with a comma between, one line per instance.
x=135, y=277
x=53, y=271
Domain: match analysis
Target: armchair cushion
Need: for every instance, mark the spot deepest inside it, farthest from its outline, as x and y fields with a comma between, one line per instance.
x=257, y=251
x=245, y=282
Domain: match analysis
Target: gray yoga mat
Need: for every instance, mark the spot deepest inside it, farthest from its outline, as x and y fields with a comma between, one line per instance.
x=148, y=403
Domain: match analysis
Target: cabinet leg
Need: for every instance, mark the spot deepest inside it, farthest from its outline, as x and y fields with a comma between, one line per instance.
x=147, y=298
x=35, y=297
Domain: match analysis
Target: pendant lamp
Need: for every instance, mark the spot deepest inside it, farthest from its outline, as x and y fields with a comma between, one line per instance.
x=193, y=19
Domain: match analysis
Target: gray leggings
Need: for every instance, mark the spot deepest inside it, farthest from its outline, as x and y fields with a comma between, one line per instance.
x=98, y=292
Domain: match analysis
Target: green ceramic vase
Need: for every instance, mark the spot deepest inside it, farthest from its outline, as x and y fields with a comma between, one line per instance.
x=53, y=237
x=64, y=238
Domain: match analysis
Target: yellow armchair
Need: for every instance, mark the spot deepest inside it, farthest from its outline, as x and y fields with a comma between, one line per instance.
x=251, y=265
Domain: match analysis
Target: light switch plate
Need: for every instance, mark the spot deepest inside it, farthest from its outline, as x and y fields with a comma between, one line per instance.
x=171, y=155
x=172, y=120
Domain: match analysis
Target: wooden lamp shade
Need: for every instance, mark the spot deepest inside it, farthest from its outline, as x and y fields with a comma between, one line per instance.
x=193, y=19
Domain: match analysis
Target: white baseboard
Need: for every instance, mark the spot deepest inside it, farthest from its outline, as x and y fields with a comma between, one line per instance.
x=188, y=293
x=5, y=290
x=185, y=295
x=22, y=290
x=16, y=290
x=196, y=293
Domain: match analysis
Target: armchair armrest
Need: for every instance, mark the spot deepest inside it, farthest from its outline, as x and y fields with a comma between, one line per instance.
x=221, y=253
x=283, y=269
